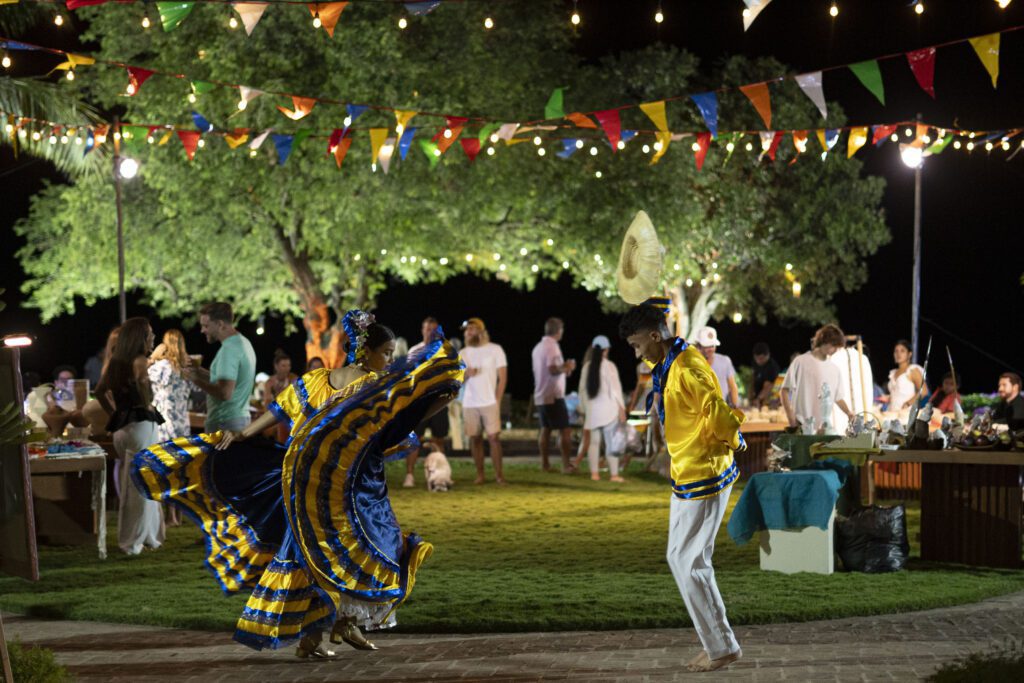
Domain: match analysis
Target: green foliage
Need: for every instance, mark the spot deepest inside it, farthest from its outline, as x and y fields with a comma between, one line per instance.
x=971, y=402
x=15, y=427
x=35, y=665
x=1005, y=663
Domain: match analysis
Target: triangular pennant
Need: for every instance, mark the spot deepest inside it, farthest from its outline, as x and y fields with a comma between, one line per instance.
x=237, y=138
x=568, y=148
x=431, y=151
x=341, y=149
x=485, y=132
x=707, y=103
x=758, y=95
x=471, y=146
x=301, y=134
x=753, y=9
x=190, y=141
x=303, y=105
x=377, y=138
x=202, y=124
x=173, y=13
x=507, y=130
x=133, y=136
x=329, y=13
x=333, y=140
x=166, y=138
x=828, y=137
x=880, y=133
x=202, y=87
x=455, y=125
x=664, y=137
x=800, y=141
x=581, y=120
x=283, y=145
x=939, y=145
x=922, y=64
x=354, y=111
x=387, y=153
x=247, y=95
x=418, y=9
x=628, y=135
x=609, y=120
x=72, y=62
x=656, y=113
x=700, y=149
x=402, y=119
x=773, y=146
x=251, y=13
x=858, y=137
x=136, y=77
x=554, y=108
x=258, y=140
x=810, y=84
x=870, y=77
x=987, y=48
x=405, y=142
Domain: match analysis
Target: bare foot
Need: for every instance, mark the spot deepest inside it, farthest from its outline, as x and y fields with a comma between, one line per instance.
x=715, y=664
x=479, y=480
x=697, y=659
x=618, y=480
x=595, y=477
x=500, y=481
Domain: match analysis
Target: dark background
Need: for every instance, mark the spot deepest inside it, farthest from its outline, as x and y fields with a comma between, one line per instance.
x=971, y=274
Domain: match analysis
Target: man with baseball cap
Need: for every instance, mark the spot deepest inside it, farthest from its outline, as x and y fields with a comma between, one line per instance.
x=707, y=343
x=486, y=379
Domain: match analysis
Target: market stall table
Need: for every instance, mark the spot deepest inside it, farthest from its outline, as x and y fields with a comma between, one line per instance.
x=759, y=437
x=70, y=510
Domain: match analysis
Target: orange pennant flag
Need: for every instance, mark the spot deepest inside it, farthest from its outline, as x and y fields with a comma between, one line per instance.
x=238, y=137
x=377, y=138
x=328, y=13
x=303, y=105
x=759, y=97
x=341, y=149
x=581, y=120
x=189, y=140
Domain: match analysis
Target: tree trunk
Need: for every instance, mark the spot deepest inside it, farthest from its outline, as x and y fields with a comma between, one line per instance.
x=694, y=307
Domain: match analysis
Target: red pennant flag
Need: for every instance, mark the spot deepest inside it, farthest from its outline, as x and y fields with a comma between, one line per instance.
x=332, y=142
x=881, y=133
x=136, y=77
x=774, y=147
x=609, y=120
x=759, y=97
x=341, y=149
x=701, y=148
x=581, y=120
x=189, y=140
x=455, y=124
x=922, y=63
x=471, y=146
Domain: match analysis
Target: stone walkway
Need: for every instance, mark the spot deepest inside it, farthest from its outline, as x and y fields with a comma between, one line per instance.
x=901, y=647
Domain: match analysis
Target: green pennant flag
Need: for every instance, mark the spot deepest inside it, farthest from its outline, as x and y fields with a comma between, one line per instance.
x=133, y=136
x=554, y=109
x=173, y=13
x=734, y=140
x=486, y=131
x=939, y=145
x=301, y=135
x=430, y=150
x=201, y=87
x=869, y=75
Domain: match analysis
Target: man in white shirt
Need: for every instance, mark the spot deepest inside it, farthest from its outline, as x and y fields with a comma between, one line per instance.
x=707, y=344
x=549, y=373
x=486, y=379
x=807, y=375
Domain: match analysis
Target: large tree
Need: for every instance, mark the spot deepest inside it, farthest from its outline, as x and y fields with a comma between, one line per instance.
x=306, y=239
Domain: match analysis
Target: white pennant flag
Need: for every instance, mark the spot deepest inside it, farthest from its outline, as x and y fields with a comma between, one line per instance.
x=811, y=85
x=387, y=152
x=767, y=136
x=754, y=8
x=258, y=140
x=251, y=13
x=507, y=130
x=248, y=94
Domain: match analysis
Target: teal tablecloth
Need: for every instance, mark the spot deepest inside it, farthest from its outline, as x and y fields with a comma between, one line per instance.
x=785, y=500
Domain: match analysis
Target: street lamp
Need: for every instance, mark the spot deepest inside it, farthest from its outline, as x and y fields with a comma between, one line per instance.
x=913, y=157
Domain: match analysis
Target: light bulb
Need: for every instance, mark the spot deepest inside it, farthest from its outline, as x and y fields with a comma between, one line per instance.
x=6, y=61
x=494, y=138
x=469, y=257
x=448, y=133
x=597, y=174
x=443, y=261
x=316, y=21
x=956, y=144
x=130, y=89
x=833, y=11
x=36, y=136
x=488, y=23
x=70, y=75
x=192, y=98
x=541, y=151
x=789, y=267
x=970, y=146
x=232, y=23
x=150, y=139
x=202, y=143
x=737, y=317
x=58, y=20
x=1003, y=3
x=523, y=251
x=620, y=145
x=729, y=147
x=919, y=7
x=894, y=137
x=535, y=268
x=437, y=152
x=537, y=140
x=695, y=147
x=348, y=121
x=659, y=17
x=399, y=128
x=565, y=264
x=145, y=22
x=593, y=151
x=908, y=132
x=383, y=252
x=746, y=12
x=646, y=149
x=550, y=242
x=657, y=146
x=63, y=139
x=797, y=288
x=53, y=140
x=926, y=139
x=242, y=104
x=496, y=256
x=689, y=282
x=579, y=144
x=575, y=18
x=1005, y=145
x=988, y=146
x=490, y=151
x=128, y=168
x=912, y=156
x=402, y=24
x=749, y=147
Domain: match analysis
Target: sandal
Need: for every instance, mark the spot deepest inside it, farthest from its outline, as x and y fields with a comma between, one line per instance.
x=312, y=648
x=346, y=631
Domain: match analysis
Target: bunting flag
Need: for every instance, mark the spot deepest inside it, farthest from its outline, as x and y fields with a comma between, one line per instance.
x=190, y=141
x=71, y=4
x=251, y=13
x=828, y=137
x=471, y=146
x=202, y=87
x=247, y=95
x=707, y=103
x=569, y=147
x=258, y=140
x=758, y=95
x=700, y=149
x=800, y=141
x=609, y=120
x=303, y=105
x=858, y=136
x=880, y=133
x=202, y=124
x=655, y=111
x=283, y=145
x=72, y=62
x=402, y=119
x=173, y=13
x=730, y=147
x=922, y=64
x=354, y=112
x=341, y=149
x=507, y=131
x=940, y=145
x=581, y=120
x=431, y=151
x=810, y=84
x=387, y=153
x=987, y=48
x=405, y=142
x=418, y=9
x=754, y=8
x=870, y=77
x=136, y=77
x=774, y=139
x=333, y=139
x=377, y=138
x=486, y=131
x=237, y=138
x=455, y=125
x=132, y=136
x=554, y=109
x=329, y=13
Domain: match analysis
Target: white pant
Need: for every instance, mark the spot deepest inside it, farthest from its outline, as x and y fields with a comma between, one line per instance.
x=692, y=526
x=140, y=521
x=594, y=449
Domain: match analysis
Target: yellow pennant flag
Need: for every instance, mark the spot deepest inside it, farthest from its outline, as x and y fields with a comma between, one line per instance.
x=821, y=139
x=663, y=137
x=9, y=2
x=377, y=138
x=166, y=138
x=402, y=119
x=987, y=48
x=656, y=112
x=238, y=137
x=858, y=136
x=73, y=61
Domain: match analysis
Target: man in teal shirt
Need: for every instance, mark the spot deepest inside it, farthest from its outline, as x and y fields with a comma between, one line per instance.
x=229, y=381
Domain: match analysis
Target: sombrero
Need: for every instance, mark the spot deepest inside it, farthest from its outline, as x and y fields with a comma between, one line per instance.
x=639, y=271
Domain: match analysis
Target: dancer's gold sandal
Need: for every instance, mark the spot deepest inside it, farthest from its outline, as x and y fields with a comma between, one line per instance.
x=346, y=631
x=311, y=648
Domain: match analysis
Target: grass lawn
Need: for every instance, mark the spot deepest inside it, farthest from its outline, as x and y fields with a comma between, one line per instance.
x=548, y=552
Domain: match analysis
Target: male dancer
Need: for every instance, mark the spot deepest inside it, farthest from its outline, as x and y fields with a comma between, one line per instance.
x=701, y=433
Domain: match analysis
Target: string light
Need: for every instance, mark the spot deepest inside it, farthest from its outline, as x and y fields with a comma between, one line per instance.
x=202, y=143
x=232, y=23
x=593, y=151
x=695, y=147
x=970, y=146
x=443, y=260
x=750, y=147
x=833, y=11
x=988, y=146
x=403, y=23
x=1005, y=145
x=894, y=137
x=6, y=61
x=535, y=268
x=565, y=265
x=494, y=138
x=488, y=23
x=70, y=75
x=523, y=251
x=192, y=98
x=579, y=144
x=956, y=144
x=59, y=20
x=646, y=149
x=242, y=104
x=469, y=258
x=496, y=256
x=37, y=136
x=490, y=151
x=145, y=22
x=550, y=242
x=575, y=18
x=797, y=289
x=597, y=174
x=658, y=16
x=541, y=151
x=729, y=147
x=737, y=317
x=448, y=134
x=316, y=20
x=537, y=140
x=919, y=7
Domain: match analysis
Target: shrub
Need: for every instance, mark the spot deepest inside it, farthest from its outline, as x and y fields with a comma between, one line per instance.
x=1004, y=663
x=35, y=665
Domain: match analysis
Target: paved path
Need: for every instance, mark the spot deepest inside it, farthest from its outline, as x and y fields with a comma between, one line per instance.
x=901, y=647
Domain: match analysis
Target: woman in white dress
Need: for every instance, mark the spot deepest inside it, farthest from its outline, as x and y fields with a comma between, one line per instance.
x=906, y=380
x=170, y=394
x=601, y=401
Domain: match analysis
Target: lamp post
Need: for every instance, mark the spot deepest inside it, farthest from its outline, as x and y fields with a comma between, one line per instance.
x=913, y=157
x=124, y=169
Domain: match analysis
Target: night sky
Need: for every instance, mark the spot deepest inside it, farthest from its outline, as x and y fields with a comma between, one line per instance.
x=972, y=295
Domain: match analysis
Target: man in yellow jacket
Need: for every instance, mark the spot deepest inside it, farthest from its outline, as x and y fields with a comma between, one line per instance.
x=701, y=433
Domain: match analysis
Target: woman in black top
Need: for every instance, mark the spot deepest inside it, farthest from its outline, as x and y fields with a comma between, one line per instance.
x=125, y=393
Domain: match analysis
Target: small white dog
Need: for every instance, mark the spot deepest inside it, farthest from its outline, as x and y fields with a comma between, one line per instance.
x=437, y=470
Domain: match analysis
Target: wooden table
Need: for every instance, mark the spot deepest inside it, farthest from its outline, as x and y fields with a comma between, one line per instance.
x=970, y=505
x=70, y=509
x=759, y=436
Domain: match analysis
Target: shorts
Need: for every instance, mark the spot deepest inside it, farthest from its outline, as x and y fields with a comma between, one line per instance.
x=438, y=424
x=486, y=417
x=554, y=415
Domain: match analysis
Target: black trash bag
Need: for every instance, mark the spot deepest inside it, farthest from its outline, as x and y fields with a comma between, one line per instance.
x=873, y=539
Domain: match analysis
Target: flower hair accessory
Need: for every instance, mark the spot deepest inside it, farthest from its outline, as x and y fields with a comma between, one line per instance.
x=356, y=324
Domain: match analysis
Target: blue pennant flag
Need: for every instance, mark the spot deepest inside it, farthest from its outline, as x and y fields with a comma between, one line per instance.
x=831, y=137
x=90, y=142
x=418, y=9
x=707, y=103
x=283, y=143
x=354, y=110
x=15, y=45
x=627, y=135
x=568, y=148
x=202, y=124
x=405, y=142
